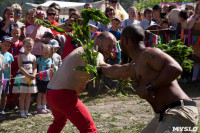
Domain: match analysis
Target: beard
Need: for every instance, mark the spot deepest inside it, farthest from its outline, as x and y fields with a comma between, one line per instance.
x=124, y=50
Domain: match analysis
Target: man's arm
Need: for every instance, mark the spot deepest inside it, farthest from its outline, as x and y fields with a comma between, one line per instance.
x=118, y=71
x=168, y=68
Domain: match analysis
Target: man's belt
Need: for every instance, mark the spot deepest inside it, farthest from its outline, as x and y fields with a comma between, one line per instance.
x=175, y=104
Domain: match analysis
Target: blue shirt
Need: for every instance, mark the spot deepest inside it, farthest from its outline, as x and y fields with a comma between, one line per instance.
x=117, y=34
x=44, y=64
x=8, y=58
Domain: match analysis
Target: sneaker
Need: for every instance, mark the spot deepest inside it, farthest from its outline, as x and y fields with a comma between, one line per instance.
x=2, y=117
x=41, y=111
x=47, y=110
x=28, y=114
x=23, y=115
x=2, y=112
x=16, y=107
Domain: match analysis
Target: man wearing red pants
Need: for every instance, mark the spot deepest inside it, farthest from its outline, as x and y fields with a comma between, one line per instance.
x=67, y=83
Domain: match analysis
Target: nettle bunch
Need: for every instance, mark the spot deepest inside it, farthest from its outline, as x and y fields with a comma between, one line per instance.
x=81, y=35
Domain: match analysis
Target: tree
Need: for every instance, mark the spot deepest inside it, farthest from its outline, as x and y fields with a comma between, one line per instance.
x=143, y=4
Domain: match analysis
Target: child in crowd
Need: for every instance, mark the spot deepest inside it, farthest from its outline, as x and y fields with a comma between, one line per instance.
x=116, y=23
x=16, y=45
x=27, y=67
x=165, y=24
x=8, y=59
x=56, y=57
x=44, y=62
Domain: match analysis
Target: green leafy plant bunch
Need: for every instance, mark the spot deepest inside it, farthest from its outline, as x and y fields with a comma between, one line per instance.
x=179, y=52
x=81, y=35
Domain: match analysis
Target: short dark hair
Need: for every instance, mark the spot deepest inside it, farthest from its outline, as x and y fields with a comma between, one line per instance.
x=7, y=9
x=148, y=9
x=133, y=30
x=52, y=9
x=87, y=4
x=156, y=7
x=54, y=6
x=184, y=14
x=40, y=8
x=72, y=9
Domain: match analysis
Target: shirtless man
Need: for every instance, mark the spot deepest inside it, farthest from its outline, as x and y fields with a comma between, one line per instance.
x=156, y=74
x=67, y=83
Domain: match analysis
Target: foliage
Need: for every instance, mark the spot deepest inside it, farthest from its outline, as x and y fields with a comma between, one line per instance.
x=179, y=52
x=143, y=4
x=82, y=36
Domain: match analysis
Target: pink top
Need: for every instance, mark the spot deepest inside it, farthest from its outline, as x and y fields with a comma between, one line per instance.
x=40, y=33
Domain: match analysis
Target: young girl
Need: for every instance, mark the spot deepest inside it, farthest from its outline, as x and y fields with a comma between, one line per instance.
x=44, y=62
x=27, y=67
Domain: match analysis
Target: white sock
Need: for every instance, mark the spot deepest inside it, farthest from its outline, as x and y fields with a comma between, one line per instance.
x=22, y=112
x=44, y=107
x=26, y=111
x=39, y=107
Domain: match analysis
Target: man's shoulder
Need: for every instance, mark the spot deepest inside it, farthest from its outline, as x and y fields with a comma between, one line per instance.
x=151, y=53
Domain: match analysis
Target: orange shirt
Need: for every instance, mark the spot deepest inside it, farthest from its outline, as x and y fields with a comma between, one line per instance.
x=53, y=31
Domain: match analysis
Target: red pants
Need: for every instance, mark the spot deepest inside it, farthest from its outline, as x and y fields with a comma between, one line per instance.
x=66, y=105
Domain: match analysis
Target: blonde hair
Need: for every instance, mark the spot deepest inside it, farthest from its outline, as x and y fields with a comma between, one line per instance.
x=28, y=40
x=30, y=12
x=15, y=28
x=48, y=48
x=16, y=7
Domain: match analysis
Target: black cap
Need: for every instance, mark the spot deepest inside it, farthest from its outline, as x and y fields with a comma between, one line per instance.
x=156, y=7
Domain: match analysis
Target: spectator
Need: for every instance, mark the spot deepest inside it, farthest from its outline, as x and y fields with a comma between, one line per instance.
x=36, y=32
x=88, y=6
x=156, y=14
x=15, y=50
x=51, y=13
x=70, y=45
x=2, y=117
x=183, y=16
x=41, y=8
x=56, y=57
x=109, y=13
x=194, y=23
x=132, y=12
x=115, y=22
x=17, y=16
x=189, y=6
x=141, y=16
x=8, y=59
x=148, y=13
x=71, y=10
x=7, y=23
x=172, y=7
x=173, y=17
x=165, y=24
x=29, y=20
x=166, y=9
x=28, y=68
x=118, y=13
x=44, y=62
x=197, y=2
x=57, y=7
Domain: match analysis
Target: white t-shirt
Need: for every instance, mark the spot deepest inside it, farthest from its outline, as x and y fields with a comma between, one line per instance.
x=128, y=22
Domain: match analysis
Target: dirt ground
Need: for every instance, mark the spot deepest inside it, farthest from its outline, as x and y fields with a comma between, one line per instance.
x=113, y=114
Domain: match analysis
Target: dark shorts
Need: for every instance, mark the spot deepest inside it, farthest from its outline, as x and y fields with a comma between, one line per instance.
x=6, y=90
x=42, y=86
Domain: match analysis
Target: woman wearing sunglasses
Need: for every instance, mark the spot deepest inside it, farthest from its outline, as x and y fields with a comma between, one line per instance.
x=118, y=13
x=51, y=16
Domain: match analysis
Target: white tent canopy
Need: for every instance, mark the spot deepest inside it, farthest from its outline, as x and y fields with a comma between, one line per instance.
x=66, y=5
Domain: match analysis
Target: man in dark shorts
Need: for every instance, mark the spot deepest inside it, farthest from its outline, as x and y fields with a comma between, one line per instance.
x=156, y=74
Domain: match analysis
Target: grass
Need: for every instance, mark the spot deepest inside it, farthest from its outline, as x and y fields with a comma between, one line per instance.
x=111, y=114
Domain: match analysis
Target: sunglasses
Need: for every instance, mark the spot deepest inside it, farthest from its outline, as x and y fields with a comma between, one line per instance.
x=17, y=13
x=110, y=10
x=49, y=14
x=113, y=1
